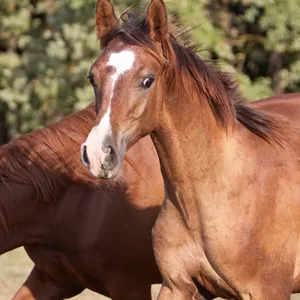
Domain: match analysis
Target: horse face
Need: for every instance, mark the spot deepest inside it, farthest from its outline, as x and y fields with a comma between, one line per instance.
x=125, y=81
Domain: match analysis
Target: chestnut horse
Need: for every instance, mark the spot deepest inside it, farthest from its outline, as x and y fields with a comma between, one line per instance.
x=80, y=232
x=230, y=223
x=74, y=260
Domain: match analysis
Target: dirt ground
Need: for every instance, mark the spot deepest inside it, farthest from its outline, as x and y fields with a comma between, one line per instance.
x=15, y=267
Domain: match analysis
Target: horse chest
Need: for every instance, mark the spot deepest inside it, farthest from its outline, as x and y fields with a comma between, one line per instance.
x=180, y=252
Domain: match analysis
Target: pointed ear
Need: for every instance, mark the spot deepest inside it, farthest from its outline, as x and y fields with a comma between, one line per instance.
x=157, y=20
x=106, y=19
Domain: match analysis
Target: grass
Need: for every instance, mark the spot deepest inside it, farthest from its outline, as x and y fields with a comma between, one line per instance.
x=15, y=266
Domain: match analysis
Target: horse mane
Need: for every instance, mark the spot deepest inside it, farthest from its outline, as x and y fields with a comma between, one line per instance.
x=183, y=68
x=50, y=157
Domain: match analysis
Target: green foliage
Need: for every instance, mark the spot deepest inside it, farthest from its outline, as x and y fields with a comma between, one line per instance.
x=48, y=46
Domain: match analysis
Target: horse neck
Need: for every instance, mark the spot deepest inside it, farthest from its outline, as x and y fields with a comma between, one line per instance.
x=24, y=219
x=25, y=193
x=189, y=144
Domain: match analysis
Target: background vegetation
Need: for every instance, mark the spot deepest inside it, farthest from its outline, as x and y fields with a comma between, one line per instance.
x=47, y=47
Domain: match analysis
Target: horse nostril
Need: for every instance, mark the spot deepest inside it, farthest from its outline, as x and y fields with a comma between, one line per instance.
x=113, y=156
x=110, y=149
x=110, y=159
x=85, y=156
x=107, y=149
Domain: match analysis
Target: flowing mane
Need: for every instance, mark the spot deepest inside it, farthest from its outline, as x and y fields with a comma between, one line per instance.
x=217, y=89
x=50, y=156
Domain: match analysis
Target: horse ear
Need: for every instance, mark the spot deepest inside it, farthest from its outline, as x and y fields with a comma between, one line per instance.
x=157, y=20
x=106, y=19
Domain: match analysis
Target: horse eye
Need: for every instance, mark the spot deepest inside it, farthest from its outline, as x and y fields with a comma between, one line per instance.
x=147, y=82
x=91, y=79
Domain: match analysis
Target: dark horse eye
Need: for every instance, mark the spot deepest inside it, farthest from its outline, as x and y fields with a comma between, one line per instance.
x=91, y=79
x=147, y=82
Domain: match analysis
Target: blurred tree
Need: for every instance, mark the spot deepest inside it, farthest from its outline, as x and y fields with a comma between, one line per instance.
x=264, y=38
x=47, y=47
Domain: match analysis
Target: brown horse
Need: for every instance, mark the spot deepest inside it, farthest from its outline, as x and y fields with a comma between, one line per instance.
x=229, y=225
x=80, y=232
x=68, y=263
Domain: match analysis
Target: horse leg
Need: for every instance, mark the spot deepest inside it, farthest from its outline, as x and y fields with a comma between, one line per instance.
x=24, y=293
x=265, y=293
x=128, y=288
x=40, y=286
x=265, y=296
x=188, y=291
x=137, y=293
x=174, y=266
x=132, y=294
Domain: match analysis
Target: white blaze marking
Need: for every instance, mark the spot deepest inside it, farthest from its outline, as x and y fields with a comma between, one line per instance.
x=96, y=136
x=122, y=62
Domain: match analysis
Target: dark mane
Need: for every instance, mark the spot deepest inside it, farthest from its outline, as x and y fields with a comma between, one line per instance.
x=217, y=88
